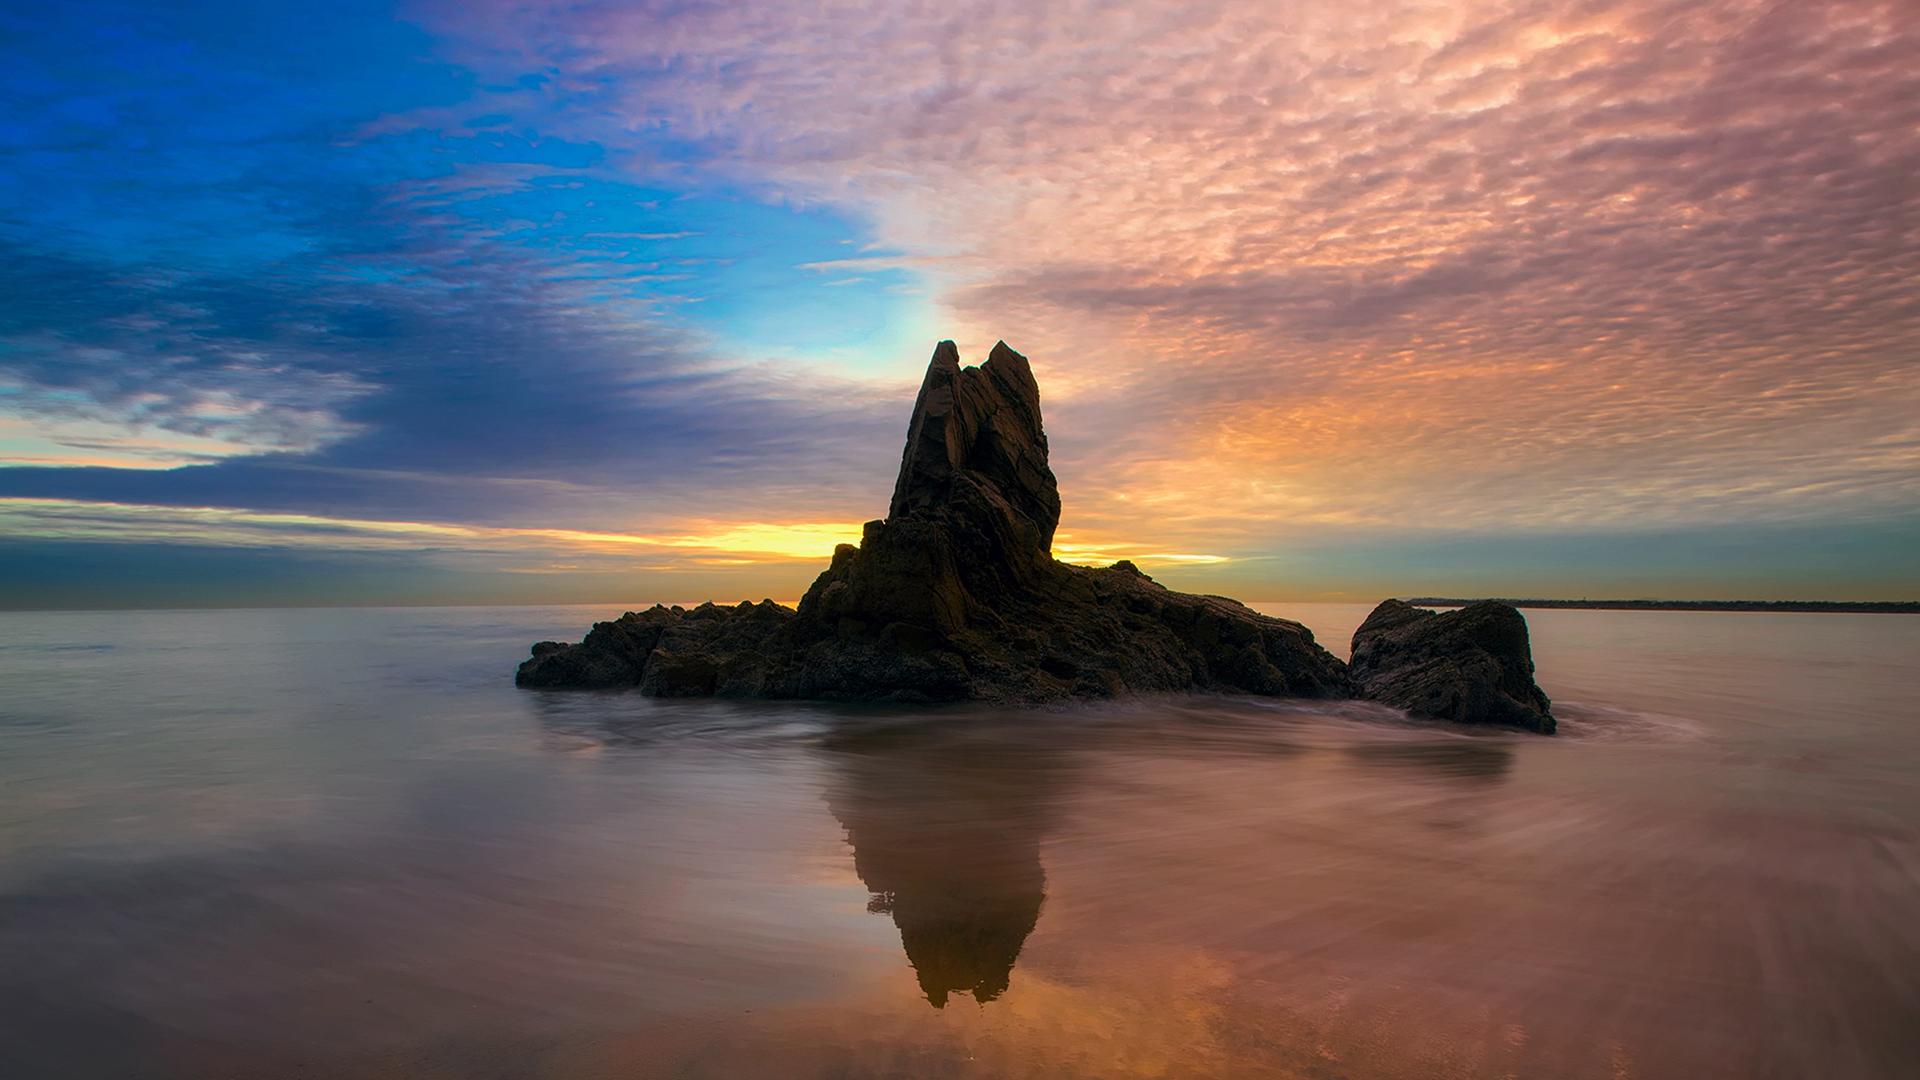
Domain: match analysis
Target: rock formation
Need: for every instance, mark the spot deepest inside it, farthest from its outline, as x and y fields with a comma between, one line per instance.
x=1471, y=666
x=955, y=596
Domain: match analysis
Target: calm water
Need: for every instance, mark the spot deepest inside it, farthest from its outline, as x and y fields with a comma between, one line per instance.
x=341, y=844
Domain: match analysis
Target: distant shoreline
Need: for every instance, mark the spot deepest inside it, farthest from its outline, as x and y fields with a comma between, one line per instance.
x=1881, y=607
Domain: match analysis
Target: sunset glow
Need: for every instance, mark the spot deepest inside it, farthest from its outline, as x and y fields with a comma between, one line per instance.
x=1296, y=280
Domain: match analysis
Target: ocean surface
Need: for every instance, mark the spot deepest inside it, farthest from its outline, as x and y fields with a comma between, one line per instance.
x=340, y=843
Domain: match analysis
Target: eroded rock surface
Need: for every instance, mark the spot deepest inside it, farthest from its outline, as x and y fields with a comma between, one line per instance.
x=1471, y=666
x=956, y=596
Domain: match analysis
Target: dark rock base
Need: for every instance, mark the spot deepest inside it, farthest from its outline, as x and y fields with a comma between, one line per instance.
x=1471, y=666
x=1089, y=633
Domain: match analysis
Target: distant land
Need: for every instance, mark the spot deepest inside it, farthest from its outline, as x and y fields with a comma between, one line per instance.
x=1897, y=607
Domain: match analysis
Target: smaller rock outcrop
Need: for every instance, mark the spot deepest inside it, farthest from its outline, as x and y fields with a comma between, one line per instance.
x=713, y=649
x=1470, y=666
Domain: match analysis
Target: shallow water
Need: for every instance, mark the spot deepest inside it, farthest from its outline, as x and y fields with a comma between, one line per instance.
x=340, y=843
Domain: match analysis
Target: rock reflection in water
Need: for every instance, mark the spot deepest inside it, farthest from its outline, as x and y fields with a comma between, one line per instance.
x=945, y=827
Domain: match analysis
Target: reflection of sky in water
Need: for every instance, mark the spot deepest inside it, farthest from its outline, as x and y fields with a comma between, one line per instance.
x=340, y=840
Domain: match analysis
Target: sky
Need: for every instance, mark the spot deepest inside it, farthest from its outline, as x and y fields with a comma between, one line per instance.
x=616, y=302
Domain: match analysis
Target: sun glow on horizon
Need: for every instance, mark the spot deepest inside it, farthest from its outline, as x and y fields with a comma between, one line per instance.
x=688, y=543
x=1101, y=553
x=729, y=542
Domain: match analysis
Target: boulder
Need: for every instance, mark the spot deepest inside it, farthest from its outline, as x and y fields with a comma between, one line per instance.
x=1471, y=666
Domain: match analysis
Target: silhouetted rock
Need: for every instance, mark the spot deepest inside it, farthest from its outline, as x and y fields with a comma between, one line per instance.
x=1471, y=666
x=956, y=596
x=666, y=651
x=976, y=445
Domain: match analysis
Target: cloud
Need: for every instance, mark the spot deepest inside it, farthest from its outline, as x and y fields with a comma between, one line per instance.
x=230, y=277
x=151, y=389
x=1284, y=270
x=474, y=383
x=367, y=291
x=1498, y=262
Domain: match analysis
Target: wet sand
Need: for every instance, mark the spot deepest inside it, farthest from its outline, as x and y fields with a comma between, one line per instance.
x=334, y=844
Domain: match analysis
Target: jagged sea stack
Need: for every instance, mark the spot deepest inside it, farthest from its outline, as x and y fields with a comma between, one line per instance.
x=970, y=528
x=956, y=596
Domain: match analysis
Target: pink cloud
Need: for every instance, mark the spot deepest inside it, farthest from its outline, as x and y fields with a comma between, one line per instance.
x=1524, y=262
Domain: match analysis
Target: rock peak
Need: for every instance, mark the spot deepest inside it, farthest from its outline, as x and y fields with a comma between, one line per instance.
x=975, y=446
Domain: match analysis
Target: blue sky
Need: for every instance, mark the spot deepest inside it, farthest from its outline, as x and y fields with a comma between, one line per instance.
x=628, y=301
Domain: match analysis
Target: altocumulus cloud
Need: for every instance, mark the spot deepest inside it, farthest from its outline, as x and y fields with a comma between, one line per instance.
x=1502, y=263
x=275, y=275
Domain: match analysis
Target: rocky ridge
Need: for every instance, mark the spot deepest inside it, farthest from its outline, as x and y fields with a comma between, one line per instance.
x=955, y=595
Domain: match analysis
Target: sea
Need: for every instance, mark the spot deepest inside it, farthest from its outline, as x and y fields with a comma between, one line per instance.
x=327, y=843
